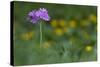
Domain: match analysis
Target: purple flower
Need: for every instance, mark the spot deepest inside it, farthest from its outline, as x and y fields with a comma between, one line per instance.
x=36, y=15
x=43, y=14
x=32, y=17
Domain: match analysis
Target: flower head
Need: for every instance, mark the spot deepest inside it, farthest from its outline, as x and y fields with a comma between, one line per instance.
x=36, y=15
x=88, y=48
x=43, y=14
x=32, y=16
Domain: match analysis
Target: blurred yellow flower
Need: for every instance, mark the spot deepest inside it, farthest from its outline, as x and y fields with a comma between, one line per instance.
x=93, y=18
x=85, y=23
x=88, y=48
x=54, y=23
x=27, y=36
x=62, y=23
x=72, y=23
x=58, y=31
x=46, y=44
x=86, y=35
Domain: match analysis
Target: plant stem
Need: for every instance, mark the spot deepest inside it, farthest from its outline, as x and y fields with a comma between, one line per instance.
x=40, y=34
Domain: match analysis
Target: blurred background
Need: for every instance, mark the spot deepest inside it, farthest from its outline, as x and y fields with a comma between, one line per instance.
x=70, y=35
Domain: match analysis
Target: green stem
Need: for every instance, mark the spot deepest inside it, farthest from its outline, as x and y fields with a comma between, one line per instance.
x=40, y=34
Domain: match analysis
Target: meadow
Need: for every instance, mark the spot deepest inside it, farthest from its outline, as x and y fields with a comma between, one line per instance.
x=69, y=36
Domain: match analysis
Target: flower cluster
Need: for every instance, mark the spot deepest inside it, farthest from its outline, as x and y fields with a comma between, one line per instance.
x=37, y=15
x=59, y=26
x=27, y=35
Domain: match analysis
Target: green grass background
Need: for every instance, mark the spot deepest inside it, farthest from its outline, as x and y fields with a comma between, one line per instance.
x=67, y=48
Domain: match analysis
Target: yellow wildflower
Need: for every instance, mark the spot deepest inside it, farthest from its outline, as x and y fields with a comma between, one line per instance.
x=62, y=23
x=93, y=18
x=72, y=23
x=88, y=48
x=46, y=44
x=58, y=31
x=27, y=36
x=85, y=22
x=54, y=23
